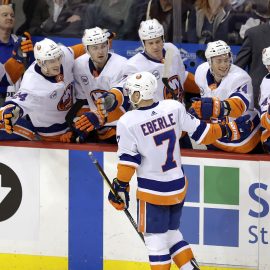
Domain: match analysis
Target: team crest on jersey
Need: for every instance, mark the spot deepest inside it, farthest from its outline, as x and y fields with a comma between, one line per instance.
x=85, y=80
x=53, y=95
x=66, y=100
x=156, y=74
x=175, y=86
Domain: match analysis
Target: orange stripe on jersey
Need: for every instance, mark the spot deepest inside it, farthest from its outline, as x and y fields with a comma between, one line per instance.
x=161, y=266
x=183, y=257
x=55, y=138
x=125, y=172
x=237, y=105
x=162, y=200
x=245, y=148
x=265, y=120
x=14, y=69
x=265, y=135
x=214, y=133
x=115, y=115
x=190, y=86
x=141, y=226
x=78, y=50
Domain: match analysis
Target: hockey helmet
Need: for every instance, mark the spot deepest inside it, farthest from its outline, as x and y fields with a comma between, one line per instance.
x=266, y=56
x=216, y=48
x=47, y=49
x=150, y=29
x=94, y=36
x=143, y=82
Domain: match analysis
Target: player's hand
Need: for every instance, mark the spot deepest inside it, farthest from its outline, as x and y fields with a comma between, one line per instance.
x=121, y=201
x=238, y=128
x=106, y=103
x=10, y=114
x=22, y=47
x=206, y=108
x=90, y=121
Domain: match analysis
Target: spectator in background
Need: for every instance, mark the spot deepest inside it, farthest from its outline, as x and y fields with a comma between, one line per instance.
x=108, y=14
x=256, y=39
x=65, y=19
x=208, y=21
x=36, y=12
x=7, y=43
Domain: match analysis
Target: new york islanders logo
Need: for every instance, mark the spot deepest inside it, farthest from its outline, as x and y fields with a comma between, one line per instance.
x=175, y=87
x=95, y=94
x=66, y=100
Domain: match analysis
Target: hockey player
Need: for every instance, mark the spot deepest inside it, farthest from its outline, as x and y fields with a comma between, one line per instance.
x=152, y=59
x=95, y=72
x=226, y=93
x=148, y=143
x=264, y=102
x=45, y=94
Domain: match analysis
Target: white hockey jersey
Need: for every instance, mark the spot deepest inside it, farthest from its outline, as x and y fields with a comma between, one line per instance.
x=148, y=140
x=47, y=99
x=91, y=86
x=264, y=103
x=235, y=86
x=142, y=62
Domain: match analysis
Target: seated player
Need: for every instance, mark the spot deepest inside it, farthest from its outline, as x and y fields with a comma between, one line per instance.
x=226, y=94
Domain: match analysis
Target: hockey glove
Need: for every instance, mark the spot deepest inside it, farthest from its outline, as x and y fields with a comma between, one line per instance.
x=121, y=200
x=66, y=137
x=10, y=115
x=205, y=108
x=239, y=128
x=106, y=103
x=22, y=47
x=90, y=121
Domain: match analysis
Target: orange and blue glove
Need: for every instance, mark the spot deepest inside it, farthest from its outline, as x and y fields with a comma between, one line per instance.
x=121, y=200
x=9, y=115
x=239, y=128
x=22, y=47
x=90, y=121
x=207, y=108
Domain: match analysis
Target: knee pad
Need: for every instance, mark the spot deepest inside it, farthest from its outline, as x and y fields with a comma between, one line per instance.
x=157, y=243
x=174, y=236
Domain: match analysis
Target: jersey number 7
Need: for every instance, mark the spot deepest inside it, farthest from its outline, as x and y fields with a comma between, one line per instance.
x=171, y=137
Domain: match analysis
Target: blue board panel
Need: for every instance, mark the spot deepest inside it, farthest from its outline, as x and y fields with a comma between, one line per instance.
x=85, y=212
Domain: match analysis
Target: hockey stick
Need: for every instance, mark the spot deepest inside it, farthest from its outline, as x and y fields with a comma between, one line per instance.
x=108, y=182
x=166, y=71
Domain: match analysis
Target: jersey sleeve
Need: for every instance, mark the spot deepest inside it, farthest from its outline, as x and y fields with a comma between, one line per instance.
x=240, y=100
x=200, y=131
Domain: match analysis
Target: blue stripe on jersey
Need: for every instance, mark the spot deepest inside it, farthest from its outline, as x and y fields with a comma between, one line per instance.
x=199, y=131
x=53, y=128
x=135, y=159
x=159, y=258
x=178, y=246
x=238, y=94
x=161, y=186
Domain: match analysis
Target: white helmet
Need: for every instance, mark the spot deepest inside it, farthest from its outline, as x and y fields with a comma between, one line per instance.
x=266, y=56
x=150, y=29
x=143, y=82
x=94, y=36
x=216, y=48
x=47, y=49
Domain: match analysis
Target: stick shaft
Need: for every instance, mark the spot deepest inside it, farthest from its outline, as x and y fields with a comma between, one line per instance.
x=105, y=177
